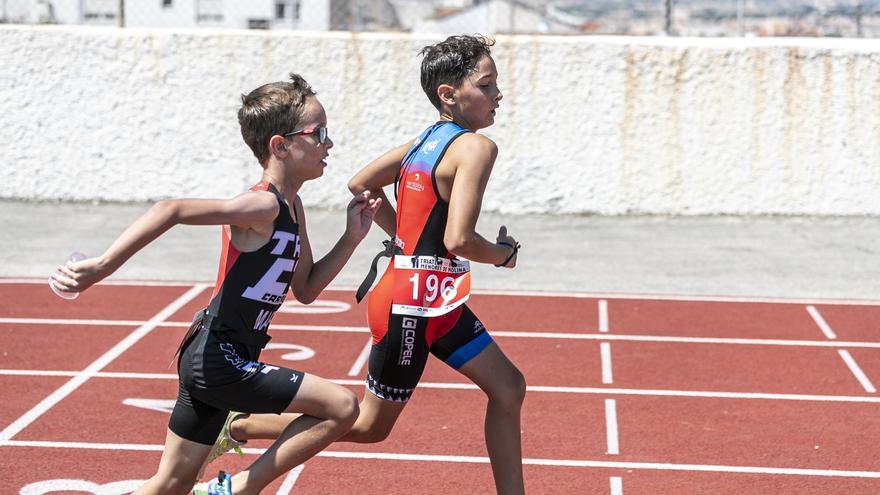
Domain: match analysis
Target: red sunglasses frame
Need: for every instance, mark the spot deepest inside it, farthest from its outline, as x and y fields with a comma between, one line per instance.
x=321, y=133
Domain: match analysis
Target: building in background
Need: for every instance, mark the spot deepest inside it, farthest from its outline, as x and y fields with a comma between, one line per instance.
x=630, y=17
x=311, y=15
x=498, y=16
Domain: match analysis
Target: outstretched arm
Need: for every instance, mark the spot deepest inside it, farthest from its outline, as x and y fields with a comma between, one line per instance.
x=310, y=277
x=376, y=175
x=473, y=157
x=249, y=210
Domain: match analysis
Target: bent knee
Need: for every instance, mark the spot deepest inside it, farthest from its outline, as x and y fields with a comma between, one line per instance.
x=345, y=408
x=511, y=392
x=369, y=433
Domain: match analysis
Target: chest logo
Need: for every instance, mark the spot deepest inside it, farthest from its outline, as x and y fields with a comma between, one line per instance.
x=272, y=286
x=430, y=146
x=414, y=184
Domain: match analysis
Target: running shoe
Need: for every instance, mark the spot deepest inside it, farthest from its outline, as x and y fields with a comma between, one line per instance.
x=225, y=442
x=222, y=485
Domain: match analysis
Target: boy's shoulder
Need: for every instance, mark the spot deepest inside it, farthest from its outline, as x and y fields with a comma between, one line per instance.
x=256, y=200
x=473, y=144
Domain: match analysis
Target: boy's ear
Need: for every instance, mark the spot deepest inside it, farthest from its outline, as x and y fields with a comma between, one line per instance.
x=276, y=144
x=446, y=93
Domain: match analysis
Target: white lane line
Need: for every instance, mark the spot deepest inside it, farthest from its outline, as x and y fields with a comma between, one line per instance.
x=605, y=354
x=131, y=339
x=694, y=393
x=514, y=334
x=603, y=316
x=289, y=481
x=616, y=485
x=527, y=293
x=361, y=359
x=686, y=340
x=712, y=468
x=611, y=427
x=855, y=370
x=530, y=388
x=99, y=374
x=844, y=354
x=133, y=323
x=680, y=297
x=69, y=321
x=823, y=325
x=128, y=283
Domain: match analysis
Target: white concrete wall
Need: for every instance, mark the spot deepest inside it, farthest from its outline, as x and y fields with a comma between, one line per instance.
x=606, y=125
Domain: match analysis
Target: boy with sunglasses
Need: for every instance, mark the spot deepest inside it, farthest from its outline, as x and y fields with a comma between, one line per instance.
x=265, y=252
x=418, y=306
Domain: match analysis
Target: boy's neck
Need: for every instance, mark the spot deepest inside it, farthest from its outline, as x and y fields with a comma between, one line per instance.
x=446, y=116
x=287, y=186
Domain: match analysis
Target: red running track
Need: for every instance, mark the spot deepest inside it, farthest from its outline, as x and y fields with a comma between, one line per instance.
x=626, y=395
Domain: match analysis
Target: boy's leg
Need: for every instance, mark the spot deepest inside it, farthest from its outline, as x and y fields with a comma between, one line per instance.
x=375, y=421
x=326, y=412
x=394, y=368
x=468, y=348
x=260, y=426
x=178, y=467
x=505, y=387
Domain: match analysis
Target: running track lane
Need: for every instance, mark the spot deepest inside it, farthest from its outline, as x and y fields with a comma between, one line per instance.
x=699, y=444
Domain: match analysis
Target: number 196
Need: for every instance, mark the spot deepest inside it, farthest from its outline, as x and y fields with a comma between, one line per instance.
x=434, y=287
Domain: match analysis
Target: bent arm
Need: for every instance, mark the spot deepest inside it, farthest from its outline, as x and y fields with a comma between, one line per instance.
x=310, y=277
x=248, y=210
x=376, y=175
x=474, y=156
x=245, y=211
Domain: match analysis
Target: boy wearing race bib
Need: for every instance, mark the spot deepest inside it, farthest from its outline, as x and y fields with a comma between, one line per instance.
x=418, y=306
x=265, y=253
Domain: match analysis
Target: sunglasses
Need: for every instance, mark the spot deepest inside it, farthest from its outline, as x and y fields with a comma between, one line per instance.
x=320, y=133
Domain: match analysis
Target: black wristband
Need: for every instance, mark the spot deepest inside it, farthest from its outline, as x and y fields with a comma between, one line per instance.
x=512, y=254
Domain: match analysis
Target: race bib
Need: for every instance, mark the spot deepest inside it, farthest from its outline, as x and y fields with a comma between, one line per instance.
x=429, y=286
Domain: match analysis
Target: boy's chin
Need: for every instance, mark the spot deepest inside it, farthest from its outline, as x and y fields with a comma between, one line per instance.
x=487, y=123
x=312, y=172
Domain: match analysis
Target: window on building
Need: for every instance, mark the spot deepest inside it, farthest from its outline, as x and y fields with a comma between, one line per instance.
x=167, y=3
x=258, y=23
x=99, y=11
x=281, y=11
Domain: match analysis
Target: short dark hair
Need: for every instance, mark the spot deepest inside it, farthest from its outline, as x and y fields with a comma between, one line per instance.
x=274, y=108
x=450, y=62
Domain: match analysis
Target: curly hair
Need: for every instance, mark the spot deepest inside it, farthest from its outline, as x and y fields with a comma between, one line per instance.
x=274, y=108
x=450, y=62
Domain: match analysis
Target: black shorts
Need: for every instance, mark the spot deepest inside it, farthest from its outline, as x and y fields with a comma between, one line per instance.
x=400, y=349
x=214, y=379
